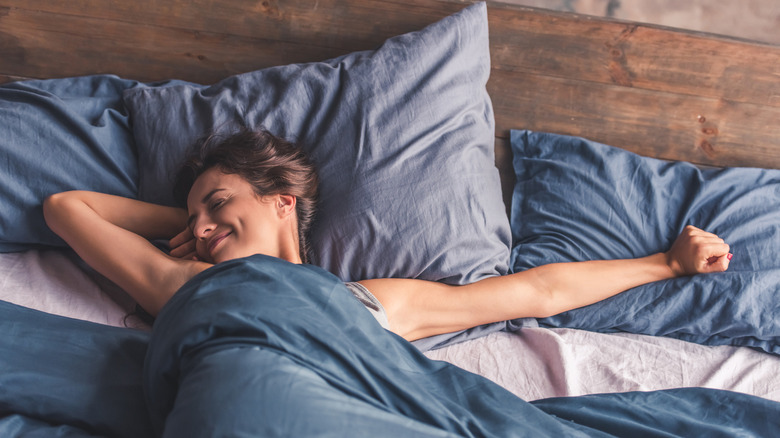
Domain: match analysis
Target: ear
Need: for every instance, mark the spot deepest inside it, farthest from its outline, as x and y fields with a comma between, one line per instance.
x=285, y=205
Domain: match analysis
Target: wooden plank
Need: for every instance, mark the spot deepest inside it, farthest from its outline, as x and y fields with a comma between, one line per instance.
x=634, y=55
x=181, y=33
x=335, y=23
x=201, y=41
x=153, y=53
x=660, y=124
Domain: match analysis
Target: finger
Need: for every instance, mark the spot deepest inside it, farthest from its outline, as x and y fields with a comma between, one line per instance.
x=708, y=257
x=186, y=256
x=720, y=264
x=184, y=249
x=714, y=249
x=182, y=237
x=180, y=241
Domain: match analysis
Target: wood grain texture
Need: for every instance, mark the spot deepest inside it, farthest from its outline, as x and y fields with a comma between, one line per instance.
x=657, y=91
x=200, y=40
x=660, y=124
x=633, y=55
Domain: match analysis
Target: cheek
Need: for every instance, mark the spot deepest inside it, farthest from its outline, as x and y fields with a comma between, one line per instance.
x=200, y=250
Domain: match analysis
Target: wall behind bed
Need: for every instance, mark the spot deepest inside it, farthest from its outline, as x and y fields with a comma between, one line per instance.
x=657, y=91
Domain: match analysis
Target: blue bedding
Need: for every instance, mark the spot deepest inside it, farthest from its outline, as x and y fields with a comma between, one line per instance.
x=66, y=377
x=262, y=347
x=57, y=135
x=576, y=199
x=410, y=120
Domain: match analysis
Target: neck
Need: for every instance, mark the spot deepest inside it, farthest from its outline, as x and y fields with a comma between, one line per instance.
x=293, y=257
x=289, y=247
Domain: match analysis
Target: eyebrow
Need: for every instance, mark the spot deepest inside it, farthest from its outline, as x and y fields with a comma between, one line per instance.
x=205, y=199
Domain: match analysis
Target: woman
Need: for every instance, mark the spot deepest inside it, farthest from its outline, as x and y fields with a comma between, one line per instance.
x=252, y=193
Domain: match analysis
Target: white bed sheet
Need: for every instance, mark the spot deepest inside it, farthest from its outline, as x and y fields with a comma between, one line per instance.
x=52, y=281
x=538, y=363
x=534, y=363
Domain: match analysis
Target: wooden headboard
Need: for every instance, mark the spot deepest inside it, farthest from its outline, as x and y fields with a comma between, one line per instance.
x=657, y=91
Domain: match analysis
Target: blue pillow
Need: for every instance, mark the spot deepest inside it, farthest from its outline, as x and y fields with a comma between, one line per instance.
x=403, y=138
x=57, y=135
x=575, y=199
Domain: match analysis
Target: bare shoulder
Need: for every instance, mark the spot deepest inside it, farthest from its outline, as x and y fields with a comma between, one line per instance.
x=407, y=302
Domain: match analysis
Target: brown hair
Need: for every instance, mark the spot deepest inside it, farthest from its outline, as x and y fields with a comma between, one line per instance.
x=272, y=165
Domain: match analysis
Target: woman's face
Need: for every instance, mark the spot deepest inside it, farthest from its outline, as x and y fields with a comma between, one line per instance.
x=229, y=220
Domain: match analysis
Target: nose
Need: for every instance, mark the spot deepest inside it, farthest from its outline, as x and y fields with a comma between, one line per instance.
x=202, y=227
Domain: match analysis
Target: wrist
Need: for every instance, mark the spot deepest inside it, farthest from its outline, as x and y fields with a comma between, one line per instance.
x=674, y=266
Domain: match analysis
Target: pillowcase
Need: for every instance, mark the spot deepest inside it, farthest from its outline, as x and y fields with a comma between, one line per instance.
x=575, y=199
x=57, y=135
x=402, y=136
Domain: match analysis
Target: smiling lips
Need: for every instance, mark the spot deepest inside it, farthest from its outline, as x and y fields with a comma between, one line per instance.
x=215, y=241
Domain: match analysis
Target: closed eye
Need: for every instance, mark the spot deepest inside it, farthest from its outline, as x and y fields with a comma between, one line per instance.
x=207, y=200
x=217, y=203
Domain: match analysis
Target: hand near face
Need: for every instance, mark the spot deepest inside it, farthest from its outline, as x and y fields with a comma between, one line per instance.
x=183, y=245
x=697, y=251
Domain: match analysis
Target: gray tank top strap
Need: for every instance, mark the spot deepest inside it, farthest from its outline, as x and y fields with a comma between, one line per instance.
x=370, y=302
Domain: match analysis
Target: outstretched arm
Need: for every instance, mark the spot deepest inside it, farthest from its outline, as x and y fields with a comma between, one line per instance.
x=112, y=233
x=418, y=309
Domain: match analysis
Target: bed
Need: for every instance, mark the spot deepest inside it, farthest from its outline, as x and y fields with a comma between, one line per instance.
x=515, y=136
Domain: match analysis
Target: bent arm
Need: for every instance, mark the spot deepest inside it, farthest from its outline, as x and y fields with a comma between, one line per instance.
x=112, y=233
x=418, y=308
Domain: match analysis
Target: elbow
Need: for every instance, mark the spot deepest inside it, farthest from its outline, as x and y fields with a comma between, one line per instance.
x=55, y=209
x=548, y=303
x=51, y=207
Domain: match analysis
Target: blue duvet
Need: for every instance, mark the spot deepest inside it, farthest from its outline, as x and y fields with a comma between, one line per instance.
x=261, y=347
